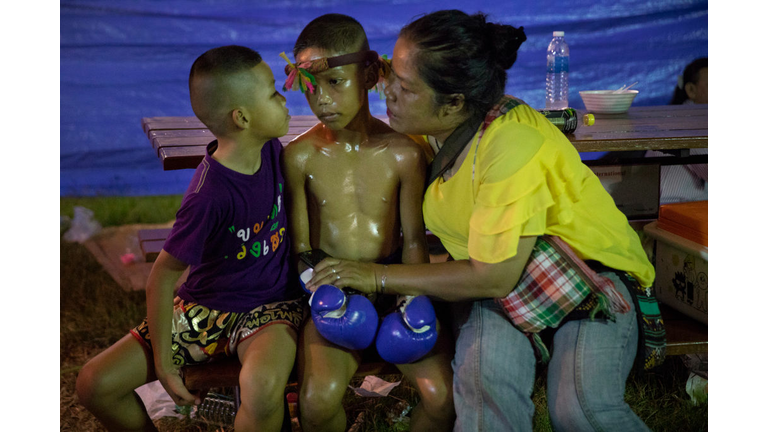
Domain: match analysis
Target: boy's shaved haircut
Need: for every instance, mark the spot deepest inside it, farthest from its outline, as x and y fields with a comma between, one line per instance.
x=332, y=32
x=211, y=84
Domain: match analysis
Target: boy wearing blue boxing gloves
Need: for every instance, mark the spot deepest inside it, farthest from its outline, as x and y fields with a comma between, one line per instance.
x=353, y=185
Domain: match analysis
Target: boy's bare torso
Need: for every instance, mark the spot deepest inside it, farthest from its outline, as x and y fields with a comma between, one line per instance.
x=352, y=190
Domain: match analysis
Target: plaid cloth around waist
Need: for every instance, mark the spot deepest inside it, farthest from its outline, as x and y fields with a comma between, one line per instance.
x=554, y=283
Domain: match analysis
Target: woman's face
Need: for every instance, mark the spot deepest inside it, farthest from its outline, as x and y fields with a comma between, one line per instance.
x=410, y=101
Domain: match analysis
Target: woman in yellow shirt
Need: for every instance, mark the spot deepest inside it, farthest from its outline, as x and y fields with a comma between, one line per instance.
x=512, y=181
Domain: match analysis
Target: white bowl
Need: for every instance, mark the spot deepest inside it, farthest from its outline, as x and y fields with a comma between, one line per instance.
x=606, y=101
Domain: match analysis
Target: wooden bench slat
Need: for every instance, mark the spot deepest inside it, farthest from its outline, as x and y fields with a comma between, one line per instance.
x=180, y=133
x=150, y=249
x=153, y=234
x=168, y=126
x=174, y=158
x=180, y=141
x=151, y=242
x=186, y=153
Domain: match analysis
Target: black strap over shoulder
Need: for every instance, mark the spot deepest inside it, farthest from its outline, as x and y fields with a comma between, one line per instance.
x=446, y=157
x=452, y=148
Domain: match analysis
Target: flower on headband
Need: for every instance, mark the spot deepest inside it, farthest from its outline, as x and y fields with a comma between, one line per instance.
x=385, y=68
x=305, y=79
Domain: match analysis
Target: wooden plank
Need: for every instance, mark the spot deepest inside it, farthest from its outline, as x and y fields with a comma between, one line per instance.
x=180, y=132
x=150, y=124
x=656, y=111
x=640, y=144
x=174, y=158
x=150, y=249
x=153, y=234
x=645, y=124
x=181, y=141
x=181, y=123
x=151, y=242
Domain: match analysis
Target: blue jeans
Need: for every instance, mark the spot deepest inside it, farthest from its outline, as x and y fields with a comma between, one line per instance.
x=494, y=370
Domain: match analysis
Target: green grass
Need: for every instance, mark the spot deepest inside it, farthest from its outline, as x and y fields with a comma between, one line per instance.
x=96, y=312
x=114, y=211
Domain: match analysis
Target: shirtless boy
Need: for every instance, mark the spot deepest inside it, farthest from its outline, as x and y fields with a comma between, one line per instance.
x=353, y=185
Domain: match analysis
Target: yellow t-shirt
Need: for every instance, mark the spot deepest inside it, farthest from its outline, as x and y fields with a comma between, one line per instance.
x=524, y=178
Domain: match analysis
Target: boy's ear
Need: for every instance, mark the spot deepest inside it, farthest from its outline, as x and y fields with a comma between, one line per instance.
x=455, y=105
x=239, y=118
x=371, y=75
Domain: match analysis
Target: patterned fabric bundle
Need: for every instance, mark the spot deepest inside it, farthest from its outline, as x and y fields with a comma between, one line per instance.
x=556, y=282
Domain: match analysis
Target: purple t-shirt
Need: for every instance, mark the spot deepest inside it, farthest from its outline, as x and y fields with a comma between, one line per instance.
x=232, y=231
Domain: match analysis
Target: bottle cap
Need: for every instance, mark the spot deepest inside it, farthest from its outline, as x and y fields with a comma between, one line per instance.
x=588, y=119
x=558, y=33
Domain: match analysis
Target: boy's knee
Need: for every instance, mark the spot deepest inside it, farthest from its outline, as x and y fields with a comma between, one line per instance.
x=320, y=399
x=436, y=398
x=262, y=395
x=91, y=385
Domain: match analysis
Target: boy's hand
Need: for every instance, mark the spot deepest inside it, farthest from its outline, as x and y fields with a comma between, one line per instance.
x=173, y=384
x=343, y=273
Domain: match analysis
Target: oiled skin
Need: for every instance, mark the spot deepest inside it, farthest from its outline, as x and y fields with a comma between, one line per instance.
x=353, y=194
x=353, y=184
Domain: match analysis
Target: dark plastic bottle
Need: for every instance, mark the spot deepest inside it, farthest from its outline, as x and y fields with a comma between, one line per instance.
x=567, y=119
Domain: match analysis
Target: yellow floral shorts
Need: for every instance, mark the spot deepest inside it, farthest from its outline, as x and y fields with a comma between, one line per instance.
x=201, y=334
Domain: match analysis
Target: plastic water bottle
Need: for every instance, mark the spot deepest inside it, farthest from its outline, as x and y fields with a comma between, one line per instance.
x=557, y=72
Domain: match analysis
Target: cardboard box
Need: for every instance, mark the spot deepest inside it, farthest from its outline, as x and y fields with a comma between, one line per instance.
x=681, y=263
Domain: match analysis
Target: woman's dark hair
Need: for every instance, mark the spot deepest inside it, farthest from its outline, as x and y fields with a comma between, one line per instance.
x=461, y=53
x=690, y=75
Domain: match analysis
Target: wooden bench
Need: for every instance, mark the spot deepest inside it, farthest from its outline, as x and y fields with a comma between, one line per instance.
x=151, y=242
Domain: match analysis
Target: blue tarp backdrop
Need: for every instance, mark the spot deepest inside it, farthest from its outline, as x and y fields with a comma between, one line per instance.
x=121, y=61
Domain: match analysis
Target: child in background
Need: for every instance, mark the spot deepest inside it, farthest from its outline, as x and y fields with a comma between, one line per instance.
x=684, y=183
x=240, y=297
x=353, y=184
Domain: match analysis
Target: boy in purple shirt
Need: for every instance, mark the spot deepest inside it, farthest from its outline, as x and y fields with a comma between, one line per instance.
x=231, y=232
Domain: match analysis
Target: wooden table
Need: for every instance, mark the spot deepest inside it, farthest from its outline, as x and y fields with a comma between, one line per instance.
x=180, y=141
x=667, y=127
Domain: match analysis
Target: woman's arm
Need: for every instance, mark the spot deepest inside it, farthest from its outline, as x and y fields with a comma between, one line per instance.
x=449, y=281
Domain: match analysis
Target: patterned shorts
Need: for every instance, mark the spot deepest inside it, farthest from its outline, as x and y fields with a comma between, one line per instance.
x=201, y=334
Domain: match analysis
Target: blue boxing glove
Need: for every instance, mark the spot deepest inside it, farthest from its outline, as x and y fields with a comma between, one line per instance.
x=349, y=321
x=408, y=333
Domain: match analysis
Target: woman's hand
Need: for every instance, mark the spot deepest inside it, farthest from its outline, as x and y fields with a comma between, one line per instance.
x=343, y=273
